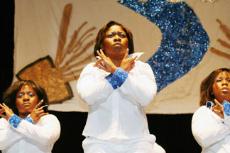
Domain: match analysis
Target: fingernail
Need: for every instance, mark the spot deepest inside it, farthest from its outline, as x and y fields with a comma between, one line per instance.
x=98, y=57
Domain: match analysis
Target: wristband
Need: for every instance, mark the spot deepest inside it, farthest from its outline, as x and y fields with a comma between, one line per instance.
x=226, y=105
x=29, y=119
x=14, y=120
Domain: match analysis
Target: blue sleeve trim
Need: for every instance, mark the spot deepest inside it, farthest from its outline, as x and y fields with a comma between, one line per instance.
x=14, y=121
x=29, y=119
x=117, y=78
x=226, y=105
x=209, y=104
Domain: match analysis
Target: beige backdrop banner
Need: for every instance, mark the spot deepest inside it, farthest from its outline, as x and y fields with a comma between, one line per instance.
x=37, y=26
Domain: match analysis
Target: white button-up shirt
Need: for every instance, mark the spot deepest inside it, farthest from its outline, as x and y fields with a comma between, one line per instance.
x=211, y=131
x=28, y=137
x=117, y=114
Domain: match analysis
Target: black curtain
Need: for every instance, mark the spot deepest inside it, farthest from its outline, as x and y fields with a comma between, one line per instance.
x=7, y=44
x=173, y=132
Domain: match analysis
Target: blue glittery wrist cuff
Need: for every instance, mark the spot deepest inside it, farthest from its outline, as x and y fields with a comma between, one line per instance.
x=117, y=78
x=209, y=104
x=226, y=105
x=29, y=119
x=14, y=121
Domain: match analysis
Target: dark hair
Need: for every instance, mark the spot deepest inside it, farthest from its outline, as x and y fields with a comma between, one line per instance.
x=10, y=95
x=206, y=90
x=101, y=35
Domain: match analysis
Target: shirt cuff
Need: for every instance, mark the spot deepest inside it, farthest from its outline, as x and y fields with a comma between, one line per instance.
x=226, y=105
x=117, y=78
x=29, y=119
x=14, y=120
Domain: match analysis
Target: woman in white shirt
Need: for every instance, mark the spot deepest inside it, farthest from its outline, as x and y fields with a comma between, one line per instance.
x=116, y=88
x=26, y=126
x=211, y=122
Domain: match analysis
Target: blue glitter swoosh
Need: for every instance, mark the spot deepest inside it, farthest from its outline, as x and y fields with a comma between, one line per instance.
x=184, y=40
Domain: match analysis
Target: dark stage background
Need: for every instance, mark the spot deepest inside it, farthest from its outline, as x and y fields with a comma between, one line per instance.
x=173, y=132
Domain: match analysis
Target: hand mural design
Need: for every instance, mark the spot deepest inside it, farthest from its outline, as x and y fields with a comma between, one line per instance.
x=71, y=57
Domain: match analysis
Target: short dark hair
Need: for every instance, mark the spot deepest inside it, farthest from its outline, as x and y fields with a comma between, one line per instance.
x=206, y=90
x=101, y=35
x=9, y=97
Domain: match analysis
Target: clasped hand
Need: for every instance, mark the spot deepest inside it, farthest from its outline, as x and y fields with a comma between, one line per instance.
x=36, y=113
x=106, y=63
x=218, y=108
x=5, y=111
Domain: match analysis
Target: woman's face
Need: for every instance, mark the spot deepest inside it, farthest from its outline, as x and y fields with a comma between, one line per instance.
x=221, y=86
x=26, y=100
x=115, y=43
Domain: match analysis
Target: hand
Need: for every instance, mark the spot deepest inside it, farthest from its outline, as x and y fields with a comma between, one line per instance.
x=5, y=111
x=218, y=108
x=128, y=62
x=105, y=63
x=38, y=112
x=1, y=111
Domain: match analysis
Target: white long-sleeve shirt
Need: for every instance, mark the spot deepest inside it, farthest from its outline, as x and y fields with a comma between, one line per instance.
x=28, y=137
x=117, y=114
x=210, y=131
